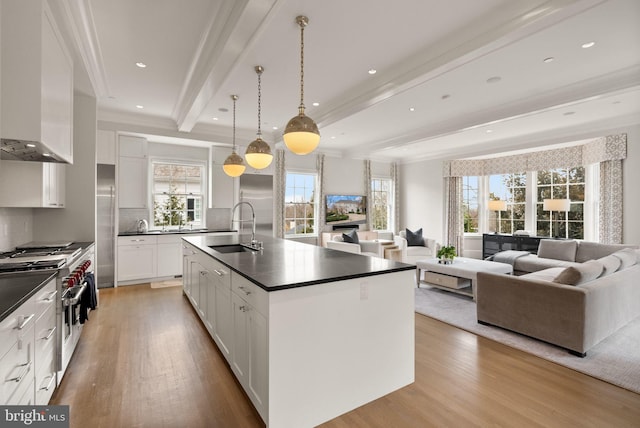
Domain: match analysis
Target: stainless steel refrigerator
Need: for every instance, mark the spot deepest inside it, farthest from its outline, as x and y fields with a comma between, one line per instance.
x=106, y=214
x=258, y=190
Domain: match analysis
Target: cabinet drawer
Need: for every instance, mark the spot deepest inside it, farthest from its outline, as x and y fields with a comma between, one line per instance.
x=45, y=377
x=46, y=298
x=251, y=293
x=16, y=367
x=137, y=240
x=8, y=328
x=45, y=338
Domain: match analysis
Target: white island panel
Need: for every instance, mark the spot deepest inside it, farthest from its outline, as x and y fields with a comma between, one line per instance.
x=336, y=346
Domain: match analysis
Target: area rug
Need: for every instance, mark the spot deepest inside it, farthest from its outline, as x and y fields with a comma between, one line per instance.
x=615, y=360
x=164, y=284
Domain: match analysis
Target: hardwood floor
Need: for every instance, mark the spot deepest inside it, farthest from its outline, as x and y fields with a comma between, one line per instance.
x=145, y=360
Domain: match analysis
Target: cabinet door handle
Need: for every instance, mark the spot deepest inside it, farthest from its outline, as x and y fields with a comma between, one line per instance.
x=51, y=379
x=51, y=331
x=23, y=372
x=244, y=290
x=51, y=296
x=243, y=308
x=22, y=321
x=204, y=272
x=220, y=272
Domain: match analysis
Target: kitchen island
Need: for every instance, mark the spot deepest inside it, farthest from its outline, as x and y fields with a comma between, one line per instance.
x=310, y=333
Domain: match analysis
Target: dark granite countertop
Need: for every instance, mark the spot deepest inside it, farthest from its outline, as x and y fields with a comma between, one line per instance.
x=17, y=287
x=175, y=232
x=286, y=264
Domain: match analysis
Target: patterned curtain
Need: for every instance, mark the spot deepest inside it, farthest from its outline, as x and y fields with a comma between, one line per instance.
x=453, y=213
x=610, y=207
x=367, y=192
x=320, y=193
x=395, y=182
x=280, y=179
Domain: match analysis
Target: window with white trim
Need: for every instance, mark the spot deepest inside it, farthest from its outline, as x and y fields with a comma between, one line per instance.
x=300, y=206
x=178, y=194
x=382, y=204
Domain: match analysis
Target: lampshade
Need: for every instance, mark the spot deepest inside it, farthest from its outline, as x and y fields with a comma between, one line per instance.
x=258, y=154
x=233, y=165
x=497, y=205
x=556, y=204
x=301, y=134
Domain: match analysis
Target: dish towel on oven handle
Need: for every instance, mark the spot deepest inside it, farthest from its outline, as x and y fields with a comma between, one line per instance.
x=88, y=300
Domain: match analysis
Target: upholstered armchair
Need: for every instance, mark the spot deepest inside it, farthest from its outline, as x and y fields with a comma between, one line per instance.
x=367, y=248
x=416, y=247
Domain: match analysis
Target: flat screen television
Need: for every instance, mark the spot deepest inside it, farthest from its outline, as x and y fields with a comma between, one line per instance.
x=346, y=210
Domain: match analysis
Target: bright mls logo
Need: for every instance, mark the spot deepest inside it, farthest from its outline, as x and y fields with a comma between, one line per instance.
x=34, y=416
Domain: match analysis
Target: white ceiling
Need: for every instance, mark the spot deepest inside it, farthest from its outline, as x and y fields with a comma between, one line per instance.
x=434, y=56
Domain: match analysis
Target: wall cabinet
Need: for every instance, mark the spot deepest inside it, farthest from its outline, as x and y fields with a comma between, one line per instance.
x=106, y=147
x=37, y=78
x=132, y=172
x=34, y=184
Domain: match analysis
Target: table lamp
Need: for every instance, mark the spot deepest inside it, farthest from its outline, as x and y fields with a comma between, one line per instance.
x=498, y=206
x=555, y=205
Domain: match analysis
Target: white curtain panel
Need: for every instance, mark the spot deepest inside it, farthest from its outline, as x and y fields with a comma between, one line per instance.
x=367, y=192
x=453, y=213
x=322, y=213
x=395, y=182
x=280, y=178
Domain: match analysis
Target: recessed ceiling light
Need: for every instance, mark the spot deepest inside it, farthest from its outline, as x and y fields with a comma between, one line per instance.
x=214, y=118
x=223, y=109
x=494, y=79
x=588, y=45
x=569, y=113
x=445, y=96
x=139, y=106
x=333, y=137
x=412, y=109
x=489, y=131
x=315, y=104
x=141, y=64
x=548, y=60
x=372, y=71
x=274, y=127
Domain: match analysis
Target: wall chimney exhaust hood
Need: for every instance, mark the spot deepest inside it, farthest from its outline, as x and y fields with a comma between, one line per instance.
x=20, y=150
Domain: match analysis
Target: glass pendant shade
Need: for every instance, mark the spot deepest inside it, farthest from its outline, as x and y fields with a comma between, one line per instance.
x=301, y=135
x=233, y=165
x=258, y=154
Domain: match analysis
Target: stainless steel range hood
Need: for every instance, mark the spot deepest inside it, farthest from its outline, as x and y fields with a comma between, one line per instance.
x=22, y=150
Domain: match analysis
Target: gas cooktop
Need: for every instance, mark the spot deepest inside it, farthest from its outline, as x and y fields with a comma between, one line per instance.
x=25, y=258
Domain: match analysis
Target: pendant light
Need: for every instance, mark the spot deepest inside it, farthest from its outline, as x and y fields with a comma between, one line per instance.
x=301, y=135
x=258, y=154
x=234, y=165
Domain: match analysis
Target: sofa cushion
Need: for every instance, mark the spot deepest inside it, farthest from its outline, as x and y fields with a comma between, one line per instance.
x=351, y=237
x=533, y=263
x=558, y=249
x=548, y=274
x=415, y=239
x=595, y=250
x=579, y=274
x=611, y=264
x=627, y=258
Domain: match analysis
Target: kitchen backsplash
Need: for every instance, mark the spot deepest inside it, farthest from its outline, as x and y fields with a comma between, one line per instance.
x=128, y=219
x=16, y=227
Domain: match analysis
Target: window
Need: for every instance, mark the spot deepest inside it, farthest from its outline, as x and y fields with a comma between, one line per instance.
x=382, y=204
x=178, y=190
x=299, y=204
x=513, y=189
x=470, y=193
x=561, y=184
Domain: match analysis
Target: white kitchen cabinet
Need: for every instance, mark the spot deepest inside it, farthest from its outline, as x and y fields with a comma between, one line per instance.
x=45, y=353
x=188, y=254
x=106, y=147
x=250, y=340
x=36, y=184
x=37, y=78
x=223, y=325
x=169, y=256
x=202, y=297
x=136, y=257
x=132, y=172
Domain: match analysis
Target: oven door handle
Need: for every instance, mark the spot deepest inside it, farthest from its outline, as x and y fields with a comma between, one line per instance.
x=70, y=301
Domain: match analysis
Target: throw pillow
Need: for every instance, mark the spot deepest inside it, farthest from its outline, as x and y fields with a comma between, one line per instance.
x=414, y=239
x=558, y=249
x=576, y=275
x=627, y=258
x=611, y=264
x=351, y=237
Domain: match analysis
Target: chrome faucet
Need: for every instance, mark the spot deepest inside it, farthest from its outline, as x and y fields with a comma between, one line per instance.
x=254, y=242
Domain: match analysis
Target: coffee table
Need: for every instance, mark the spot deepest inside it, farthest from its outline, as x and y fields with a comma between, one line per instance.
x=459, y=276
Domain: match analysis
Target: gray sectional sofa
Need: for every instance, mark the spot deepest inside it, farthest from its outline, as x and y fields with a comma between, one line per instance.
x=574, y=295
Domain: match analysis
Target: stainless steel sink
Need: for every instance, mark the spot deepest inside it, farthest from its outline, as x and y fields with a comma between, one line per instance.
x=231, y=248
